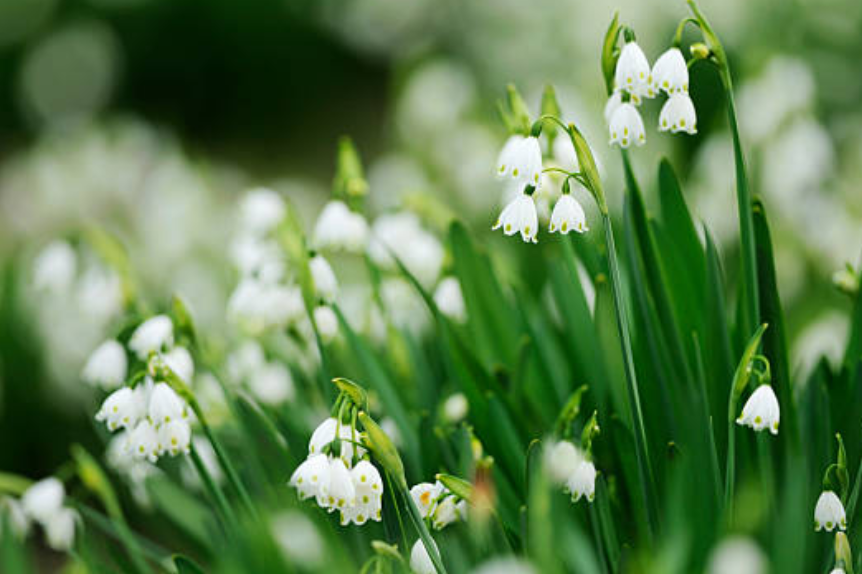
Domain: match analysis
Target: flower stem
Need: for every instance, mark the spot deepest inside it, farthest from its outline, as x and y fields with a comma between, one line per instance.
x=225, y=511
x=422, y=529
x=641, y=449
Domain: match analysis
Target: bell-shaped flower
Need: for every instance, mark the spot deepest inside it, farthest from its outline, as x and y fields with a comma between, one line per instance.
x=181, y=363
x=165, y=405
x=153, y=335
x=520, y=217
x=271, y=384
x=670, y=72
x=326, y=321
x=122, y=408
x=420, y=562
x=325, y=283
x=829, y=513
x=626, y=126
x=311, y=478
x=339, y=228
x=369, y=491
x=106, y=366
x=60, y=529
x=55, y=267
x=260, y=210
x=322, y=436
x=632, y=73
x=144, y=441
x=43, y=499
x=568, y=215
x=425, y=495
x=583, y=482
x=175, y=437
x=342, y=493
x=615, y=101
x=678, y=114
x=561, y=460
x=446, y=512
x=761, y=411
x=450, y=300
x=521, y=160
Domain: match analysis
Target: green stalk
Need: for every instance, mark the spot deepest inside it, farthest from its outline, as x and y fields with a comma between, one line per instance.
x=422, y=529
x=225, y=511
x=641, y=448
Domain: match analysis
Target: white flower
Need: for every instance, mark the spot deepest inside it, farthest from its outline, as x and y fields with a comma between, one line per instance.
x=54, y=267
x=271, y=384
x=339, y=228
x=261, y=210
x=297, y=537
x=670, y=72
x=342, y=493
x=678, y=114
x=632, y=72
x=614, y=102
x=311, y=478
x=154, y=334
x=507, y=565
x=327, y=322
x=60, y=529
x=260, y=258
x=106, y=366
x=181, y=363
x=165, y=405
x=450, y=300
x=568, y=215
x=369, y=495
x=425, y=495
x=561, y=460
x=583, y=482
x=455, y=408
x=737, y=555
x=324, y=279
x=829, y=513
x=520, y=216
x=43, y=499
x=761, y=411
x=420, y=562
x=521, y=159
x=258, y=305
x=13, y=511
x=446, y=512
x=401, y=234
x=838, y=571
x=175, y=437
x=626, y=126
x=122, y=408
x=144, y=441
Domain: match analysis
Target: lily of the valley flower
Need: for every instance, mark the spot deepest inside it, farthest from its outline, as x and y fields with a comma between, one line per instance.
x=583, y=482
x=43, y=503
x=106, y=366
x=829, y=513
x=521, y=160
x=450, y=300
x=327, y=322
x=670, y=72
x=261, y=209
x=325, y=283
x=420, y=562
x=122, y=408
x=339, y=228
x=180, y=362
x=520, y=217
x=678, y=114
x=368, y=486
x=761, y=411
x=165, y=405
x=438, y=504
x=152, y=335
x=568, y=215
x=626, y=126
x=566, y=465
x=633, y=73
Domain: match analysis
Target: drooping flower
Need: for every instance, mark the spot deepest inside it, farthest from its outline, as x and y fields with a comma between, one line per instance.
x=450, y=300
x=311, y=478
x=258, y=305
x=327, y=322
x=425, y=495
x=401, y=234
x=568, y=215
x=144, y=441
x=678, y=114
x=43, y=499
x=298, y=538
x=737, y=555
x=122, y=408
x=181, y=363
x=420, y=562
x=342, y=492
x=60, y=529
x=633, y=73
x=626, y=126
x=261, y=209
x=521, y=160
x=339, y=228
x=54, y=268
x=583, y=482
x=175, y=437
x=761, y=411
x=152, y=335
x=325, y=283
x=165, y=405
x=520, y=217
x=561, y=461
x=829, y=513
x=271, y=383
x=670, y=72
x=455, y=408
x=368, y=486
x=106, y=366
x=614, y=101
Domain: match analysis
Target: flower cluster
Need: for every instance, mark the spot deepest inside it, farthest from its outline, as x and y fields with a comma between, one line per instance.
x=338, y=474
x=154, y=418
x=761, y=411
x=270, y=382
x=438, y=504
x=634, y=81
x=570, y=467
x=42, y=503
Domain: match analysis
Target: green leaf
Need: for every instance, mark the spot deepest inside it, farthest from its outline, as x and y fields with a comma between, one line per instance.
x=190, y=515
x=185, y=565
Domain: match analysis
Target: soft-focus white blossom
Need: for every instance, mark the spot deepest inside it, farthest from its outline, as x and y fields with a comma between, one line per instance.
x=297, y=537
x=43, y=499
x=152, y=335
x=420, y=561
x=261, y=210
x=450, y=300
x=737, y=555
x=54, y=267
x=325, y=283
x=106, y=366
x=339, y=228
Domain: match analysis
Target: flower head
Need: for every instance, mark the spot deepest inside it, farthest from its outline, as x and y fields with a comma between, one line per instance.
x=339, y=228
x=521, y=160
x=626, y=126
x=368, y=486
x=568, y=215
x=311, y=478
x=175, y=437
x=678, y=114
x=327, y=322
x=43, y=499
x=632, y=73
x=420, y=562
x=144, y=441
x=325, y=283
x=761, y=411
x=180, y=362
x=60, y=529
x=342, y=492
x=261, y=210
x=561, y=461
x=829, y=513
x=583, y=482
x=165, y=405
x=670, y=72
x=450, y=300
x=520, y=216
x=106, y=366
x=122, y=408
x=154, y=334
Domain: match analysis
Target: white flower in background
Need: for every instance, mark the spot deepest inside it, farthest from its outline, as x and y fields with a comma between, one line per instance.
x=404, y=307
x=561, y=461
x=107, y=366
x=507, y=565
x=520, y=217
x=761, y=411
x=390, y=427
x=420, y=562
x=245, y=360
x=165, y=405
x=339, y=228
x=325, y=283
x=678, y=114
x=327, y=322
x=122, y=408
x=311, y=478
x=829, y=513
x=60, y=529
x=737, y=555
x=180, y=361
x=564, y=153
x=99, y=293
x=12, y=511
x=521, y=160
x=633, y=73
x=614, y=102
x=54, y=267
x=297, y=538
x=568, y=215
x=450, y=300
x=259, y=258
x=261, y=209
x=152, y=335
x=401, y=234
x=271, y=384
x=43, y=499
x=455, y=408
x=144, y=441
x=583, y=482
x=670, y=72
x=626, y=126
x=257, y=305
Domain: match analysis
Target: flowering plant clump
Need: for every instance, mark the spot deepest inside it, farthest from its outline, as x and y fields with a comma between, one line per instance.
x=468, y=439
